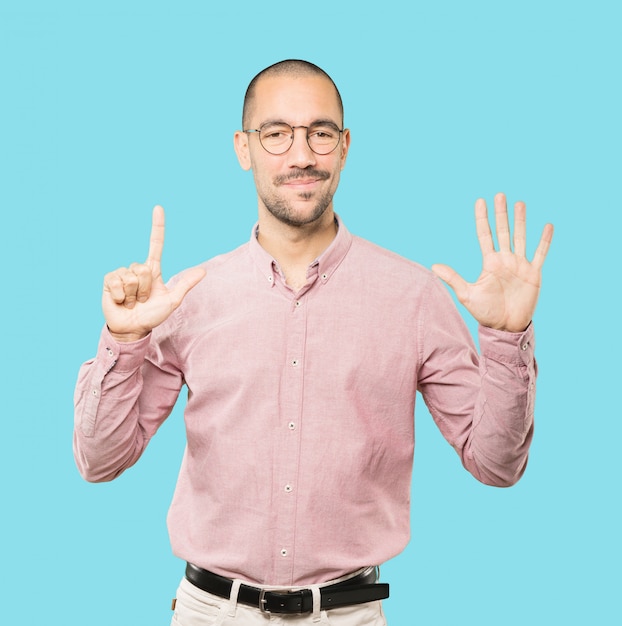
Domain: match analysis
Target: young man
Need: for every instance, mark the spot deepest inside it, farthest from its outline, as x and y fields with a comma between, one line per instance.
x=302, y=352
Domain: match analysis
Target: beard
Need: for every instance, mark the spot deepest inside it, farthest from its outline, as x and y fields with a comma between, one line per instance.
x=283, y=210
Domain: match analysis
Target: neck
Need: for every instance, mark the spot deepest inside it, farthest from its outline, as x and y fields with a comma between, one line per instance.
x=295, y=247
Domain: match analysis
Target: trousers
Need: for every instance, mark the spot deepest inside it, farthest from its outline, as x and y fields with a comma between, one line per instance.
x=195, y=607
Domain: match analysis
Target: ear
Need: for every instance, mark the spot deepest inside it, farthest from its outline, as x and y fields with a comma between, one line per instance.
x=345, y=146
x=240, y=144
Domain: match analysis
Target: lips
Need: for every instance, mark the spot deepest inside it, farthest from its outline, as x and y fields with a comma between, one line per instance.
x=302, y=178
x=301, y=182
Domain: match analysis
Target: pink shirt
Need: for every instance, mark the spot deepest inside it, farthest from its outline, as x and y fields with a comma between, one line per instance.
x=300, y=429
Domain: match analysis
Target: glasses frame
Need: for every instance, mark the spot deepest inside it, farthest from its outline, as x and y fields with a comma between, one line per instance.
x=291, y=143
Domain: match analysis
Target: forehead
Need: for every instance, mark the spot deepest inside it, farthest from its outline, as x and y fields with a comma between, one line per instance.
x=295, y=99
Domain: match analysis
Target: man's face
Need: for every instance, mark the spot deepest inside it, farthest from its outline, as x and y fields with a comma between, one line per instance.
x=296, y=187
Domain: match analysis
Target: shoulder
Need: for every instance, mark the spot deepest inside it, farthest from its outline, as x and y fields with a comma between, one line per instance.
x=222, y=266
x=226, y=276
x=381, y=260
x=384, y=275
x=231, y=259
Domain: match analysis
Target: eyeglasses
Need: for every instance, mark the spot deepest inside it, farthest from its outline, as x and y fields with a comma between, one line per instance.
x=278, y=137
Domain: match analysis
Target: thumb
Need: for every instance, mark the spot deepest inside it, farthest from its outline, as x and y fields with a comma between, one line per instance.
x=185, y=282
x=451, y=277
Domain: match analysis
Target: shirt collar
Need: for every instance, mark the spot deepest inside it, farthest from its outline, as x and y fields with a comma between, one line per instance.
x=327, y=263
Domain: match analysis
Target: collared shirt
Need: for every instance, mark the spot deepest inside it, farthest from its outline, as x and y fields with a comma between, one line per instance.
x=300, y=410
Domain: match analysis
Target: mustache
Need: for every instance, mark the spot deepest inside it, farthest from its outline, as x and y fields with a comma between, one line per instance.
x=300, y=173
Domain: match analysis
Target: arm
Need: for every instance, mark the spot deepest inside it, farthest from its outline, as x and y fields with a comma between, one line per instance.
x=121, y=399
x=483, y=405
x=493, y=429
x=130, y=387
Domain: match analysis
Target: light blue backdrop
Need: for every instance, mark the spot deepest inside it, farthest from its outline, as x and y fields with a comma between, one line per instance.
x=110, y=107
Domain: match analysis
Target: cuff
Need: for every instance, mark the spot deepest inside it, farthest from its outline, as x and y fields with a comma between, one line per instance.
x=124, y=357
x=506, y=347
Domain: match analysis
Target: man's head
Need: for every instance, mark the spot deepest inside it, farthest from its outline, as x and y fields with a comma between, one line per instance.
x=295, y=186
x=291, y=68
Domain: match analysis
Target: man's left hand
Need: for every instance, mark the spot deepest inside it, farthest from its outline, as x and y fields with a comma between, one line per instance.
x=505, y=294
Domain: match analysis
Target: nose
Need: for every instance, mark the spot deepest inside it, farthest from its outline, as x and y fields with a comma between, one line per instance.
x=300, y=154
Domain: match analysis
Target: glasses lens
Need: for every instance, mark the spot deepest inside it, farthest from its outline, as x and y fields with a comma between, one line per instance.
x=323, y=138
x=276, y=138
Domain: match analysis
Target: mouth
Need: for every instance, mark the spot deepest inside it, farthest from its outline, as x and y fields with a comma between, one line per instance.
x=301, y=183
x=302, y=179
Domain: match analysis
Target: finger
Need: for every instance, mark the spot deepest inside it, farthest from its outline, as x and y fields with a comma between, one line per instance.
x=156, y=241
x=520, y=229
x=187, y=280
x=145, y=278
x=543, y=247
x=453, y=279
x=113, y=285
x=482, y=226
x=122, y=285
x=502, y=224
x=130, y=287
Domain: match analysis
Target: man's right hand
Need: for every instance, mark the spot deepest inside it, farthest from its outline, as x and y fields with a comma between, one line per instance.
x=135, y=298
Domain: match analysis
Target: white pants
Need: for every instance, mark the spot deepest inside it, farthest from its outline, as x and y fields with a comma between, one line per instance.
x=195, y=607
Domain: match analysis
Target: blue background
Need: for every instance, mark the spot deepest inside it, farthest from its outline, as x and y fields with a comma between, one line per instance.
x=108, y=108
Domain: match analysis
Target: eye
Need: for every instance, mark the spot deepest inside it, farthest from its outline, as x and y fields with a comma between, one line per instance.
x=323, y=132
x=276, y=132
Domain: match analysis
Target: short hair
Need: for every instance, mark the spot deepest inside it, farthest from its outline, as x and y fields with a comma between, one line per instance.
x=289, y=67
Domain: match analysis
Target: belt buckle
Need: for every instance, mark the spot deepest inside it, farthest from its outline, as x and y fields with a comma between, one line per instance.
x=263, y=601
x=283, y=608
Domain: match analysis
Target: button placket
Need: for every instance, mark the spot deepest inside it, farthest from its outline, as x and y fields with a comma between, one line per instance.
x=290, y=402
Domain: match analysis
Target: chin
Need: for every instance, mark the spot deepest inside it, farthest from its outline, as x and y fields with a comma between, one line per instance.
x=297, y=217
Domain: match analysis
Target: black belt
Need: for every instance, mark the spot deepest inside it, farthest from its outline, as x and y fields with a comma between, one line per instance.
x=356, y=590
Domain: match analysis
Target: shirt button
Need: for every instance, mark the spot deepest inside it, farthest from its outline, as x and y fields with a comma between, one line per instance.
x=110, y=352
x=295, y=362
x=283, y=552
x=94, y=392
x=525, y=346
x=298, y=303
x=288, y=488
x=291, y=426
x=324, y=276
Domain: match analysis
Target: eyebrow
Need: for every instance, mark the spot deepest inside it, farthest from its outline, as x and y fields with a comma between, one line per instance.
x=318, y=122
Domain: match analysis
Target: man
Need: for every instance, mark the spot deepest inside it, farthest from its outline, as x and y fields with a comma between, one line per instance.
x=302, y=352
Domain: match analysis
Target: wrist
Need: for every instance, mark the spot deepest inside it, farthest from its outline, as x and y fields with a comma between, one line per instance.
x=127, y=337
x=509, y=329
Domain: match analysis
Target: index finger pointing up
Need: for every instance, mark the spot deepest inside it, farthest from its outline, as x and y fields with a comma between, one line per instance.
x=156, y=242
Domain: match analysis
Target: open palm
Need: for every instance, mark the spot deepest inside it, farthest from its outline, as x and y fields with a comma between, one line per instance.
x=505, y=294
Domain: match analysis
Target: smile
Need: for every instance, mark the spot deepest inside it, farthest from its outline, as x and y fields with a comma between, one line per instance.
x=303, y=183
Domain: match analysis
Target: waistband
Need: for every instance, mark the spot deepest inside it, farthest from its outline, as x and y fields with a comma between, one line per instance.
x=360, y=588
